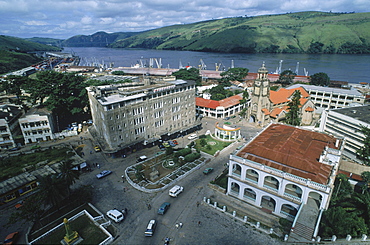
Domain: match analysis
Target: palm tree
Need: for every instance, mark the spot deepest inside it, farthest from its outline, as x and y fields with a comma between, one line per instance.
x=51, y=189
x=68, y=176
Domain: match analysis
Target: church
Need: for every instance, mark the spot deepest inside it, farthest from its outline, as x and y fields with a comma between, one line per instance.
x=271, y=106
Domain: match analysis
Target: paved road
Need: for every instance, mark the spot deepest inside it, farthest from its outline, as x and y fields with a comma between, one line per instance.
x=215, y=227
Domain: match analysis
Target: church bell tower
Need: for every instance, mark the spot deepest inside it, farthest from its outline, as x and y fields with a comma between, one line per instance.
x=260, y=102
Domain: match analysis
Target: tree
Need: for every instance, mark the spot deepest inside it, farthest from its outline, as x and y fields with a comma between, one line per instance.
x=52, y=190
x=286, y=78
x=189, y=74
x=366, y=178
x=30, y=211
x=342, y=189
x=68, y=175
x=320, y=79
x=293, y=117
x=336, y=221
x=364, y=151
x=203, y=142
x=13, y=85
x=220, y=93
x=234, y=74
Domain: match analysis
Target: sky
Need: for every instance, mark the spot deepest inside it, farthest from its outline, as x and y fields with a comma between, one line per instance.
x=63, y=19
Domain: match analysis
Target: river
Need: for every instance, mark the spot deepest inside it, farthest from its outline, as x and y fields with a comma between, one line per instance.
x=339, y=67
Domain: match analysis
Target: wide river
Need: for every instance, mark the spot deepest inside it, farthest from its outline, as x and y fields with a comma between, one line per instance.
x=339, y=67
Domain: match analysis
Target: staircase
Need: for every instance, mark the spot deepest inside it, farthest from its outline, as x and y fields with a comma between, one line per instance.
x=305, y=223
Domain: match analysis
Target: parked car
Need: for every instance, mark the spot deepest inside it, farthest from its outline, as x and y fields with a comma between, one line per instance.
x=161, y=147
x=227, y=118
x=115, y=215
x=192, y=136
x=175, y=142
x=151, y=228
x=166, y=144
x=207, y=171
x=103, y=174
x=171, y=143
x=164, y=207
x=11, y=238
x=97, y=148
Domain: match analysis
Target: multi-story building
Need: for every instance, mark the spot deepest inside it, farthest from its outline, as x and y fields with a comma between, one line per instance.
x=37, y=125
x=9, y=127
x=347, y=122
x=331, y=98
x=283, y=168
x=219, y=109
x=140, y=113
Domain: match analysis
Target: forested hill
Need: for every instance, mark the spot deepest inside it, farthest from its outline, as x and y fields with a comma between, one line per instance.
x=14, y=53
x=303, y=32
x=99, y=39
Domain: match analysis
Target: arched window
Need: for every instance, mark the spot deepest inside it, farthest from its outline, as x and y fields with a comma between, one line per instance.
x=250, y=194
x=237, y=170
x=271, y=183
x=293, y=191
x=252, y=175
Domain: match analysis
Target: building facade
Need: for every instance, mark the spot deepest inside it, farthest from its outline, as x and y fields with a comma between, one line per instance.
x=332, y=98
x=142, y=112
x=271, y=106
x=219, y=109
x=9, y=127
x=37, y=125
x=347, y=122
x=283, y=167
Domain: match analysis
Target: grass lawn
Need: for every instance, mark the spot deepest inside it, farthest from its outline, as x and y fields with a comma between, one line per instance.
x=13, y=166
x=212, y=146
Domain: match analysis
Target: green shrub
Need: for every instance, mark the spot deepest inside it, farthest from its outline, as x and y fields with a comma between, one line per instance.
x=182, y=152
x=192, y=157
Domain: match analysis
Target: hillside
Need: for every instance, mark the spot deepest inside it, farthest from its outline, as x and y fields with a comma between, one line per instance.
x=46, y=41
x=304, y=32
x=14, y=56
x=99, y=39
x=23, y=45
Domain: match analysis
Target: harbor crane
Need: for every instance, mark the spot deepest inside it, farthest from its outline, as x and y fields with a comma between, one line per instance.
x=202, y=65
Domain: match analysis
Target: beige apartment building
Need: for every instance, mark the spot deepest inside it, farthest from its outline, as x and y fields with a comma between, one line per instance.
x=139, y=114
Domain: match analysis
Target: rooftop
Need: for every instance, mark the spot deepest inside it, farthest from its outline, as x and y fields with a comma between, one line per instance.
x=291, y=150
x=327, y=89
x=361, y=113
x=213, y=104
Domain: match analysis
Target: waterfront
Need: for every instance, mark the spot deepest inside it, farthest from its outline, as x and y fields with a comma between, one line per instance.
x=340, y=67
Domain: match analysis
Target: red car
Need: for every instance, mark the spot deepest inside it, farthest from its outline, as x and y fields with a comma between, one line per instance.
x=175, y=142
x=11, y=238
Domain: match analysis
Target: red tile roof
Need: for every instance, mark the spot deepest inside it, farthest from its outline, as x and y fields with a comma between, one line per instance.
x=291, y=150
x=309, y=109
x=213, y=104
x=275, y=112
x=283, y=95
x=265, y=111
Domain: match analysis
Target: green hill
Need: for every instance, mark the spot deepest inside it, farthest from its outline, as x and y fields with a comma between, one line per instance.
x=23, y=45
x=46, y=41
x=14, y=56
x=303, y=32
x=99, y=39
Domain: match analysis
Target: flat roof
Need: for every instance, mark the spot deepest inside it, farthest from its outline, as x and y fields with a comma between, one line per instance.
x=292, y=150
x=361, y=113
x=354, y=92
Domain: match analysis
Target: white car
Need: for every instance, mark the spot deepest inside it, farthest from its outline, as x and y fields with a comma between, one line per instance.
x=115, y=215
x=103, y=174
x=192, y=136
x=175, y=191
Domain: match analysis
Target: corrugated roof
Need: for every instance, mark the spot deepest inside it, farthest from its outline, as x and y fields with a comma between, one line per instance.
x=291, y=150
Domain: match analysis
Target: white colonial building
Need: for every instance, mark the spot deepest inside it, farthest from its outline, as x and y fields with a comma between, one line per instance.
x=284, y=167
x=37, y=125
